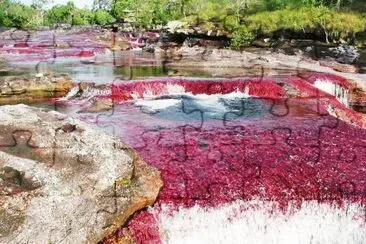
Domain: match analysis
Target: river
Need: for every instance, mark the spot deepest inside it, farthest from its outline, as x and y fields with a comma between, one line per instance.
x=262, y=159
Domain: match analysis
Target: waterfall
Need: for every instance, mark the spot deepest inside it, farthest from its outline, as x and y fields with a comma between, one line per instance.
x=332, y=88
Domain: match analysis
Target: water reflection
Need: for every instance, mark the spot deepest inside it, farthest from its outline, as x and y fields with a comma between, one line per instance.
x=103, y=68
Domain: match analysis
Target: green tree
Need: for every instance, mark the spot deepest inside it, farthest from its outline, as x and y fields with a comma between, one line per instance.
x=19, y=15
x=39, y=6
x=102, y=17
x=81, y=16
x=3, y=10
x=60, y=14
x=122, y=7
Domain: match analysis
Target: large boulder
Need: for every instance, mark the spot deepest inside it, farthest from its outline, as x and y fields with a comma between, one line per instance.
x=62, y=180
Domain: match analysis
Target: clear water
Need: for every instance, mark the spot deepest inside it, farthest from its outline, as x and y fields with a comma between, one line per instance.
x=102, y=68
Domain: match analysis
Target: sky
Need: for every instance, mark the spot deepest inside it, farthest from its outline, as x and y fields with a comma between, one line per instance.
x=78, y=3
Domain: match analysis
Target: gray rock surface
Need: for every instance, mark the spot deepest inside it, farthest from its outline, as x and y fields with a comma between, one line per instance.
x=258, y=62
x=63, y=181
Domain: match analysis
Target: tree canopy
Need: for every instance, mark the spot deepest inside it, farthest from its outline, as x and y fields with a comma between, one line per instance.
x=243, y=18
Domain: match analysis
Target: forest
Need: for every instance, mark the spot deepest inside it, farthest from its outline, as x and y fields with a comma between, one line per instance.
x=243, y=20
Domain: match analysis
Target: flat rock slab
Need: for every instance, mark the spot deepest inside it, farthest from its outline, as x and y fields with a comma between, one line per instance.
x=25, y=89
x=258, y=63
x=63, y=181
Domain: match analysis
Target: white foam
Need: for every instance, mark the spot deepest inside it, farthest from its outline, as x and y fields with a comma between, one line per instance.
x=210, y=102
x=71, y=93
x=178, y=90
x=255, y=222
x=158, y=104
x=213, y=97
x=334, y=89
x=175, y=89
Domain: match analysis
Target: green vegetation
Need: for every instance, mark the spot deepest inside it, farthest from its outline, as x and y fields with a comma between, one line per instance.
x=14, y=14
x=334, y=24
x=244, y=19
x=241, y=37
x=60, y=14
x=18, y=15
x=102, y=17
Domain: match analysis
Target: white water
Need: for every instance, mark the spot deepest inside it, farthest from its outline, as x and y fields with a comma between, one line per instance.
x=341, y=93
x=154, y=105
x=212, y=102
x=175, y=89
x=253, y=222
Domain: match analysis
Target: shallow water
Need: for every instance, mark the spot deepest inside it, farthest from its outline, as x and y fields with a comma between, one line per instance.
x=102, y=68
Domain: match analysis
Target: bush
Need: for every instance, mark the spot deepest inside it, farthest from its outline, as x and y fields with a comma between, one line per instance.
x=60, y=14
x=81, y=17
x=193, y=20
x=345, y=25
x=20, y=16
x=333, y=23
x=102, y=17
x=241, y=37
x=231, y=22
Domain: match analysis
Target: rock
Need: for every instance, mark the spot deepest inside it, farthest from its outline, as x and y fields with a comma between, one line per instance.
x=63, y=26
x=345, y=54
x=150, y=48
x=21, y=89
x=257, y=62
x=357, y=99
x=62, y=180
x=158, y=50
x=191, y=53
x=214, y=43
x=63, y=44
x=176, y=26
x=204, y=56
x=345, y=68
x=120, y=44
x=261, y=43
x=308, y=49
x=190, y=42
x=88, y=91
x=98, y=105
x=111, y=40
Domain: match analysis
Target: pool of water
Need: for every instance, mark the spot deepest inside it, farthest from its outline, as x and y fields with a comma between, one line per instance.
x=216, y=146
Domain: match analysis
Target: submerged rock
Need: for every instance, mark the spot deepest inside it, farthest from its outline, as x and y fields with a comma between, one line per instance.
x=64, y=181
x=96, y=105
